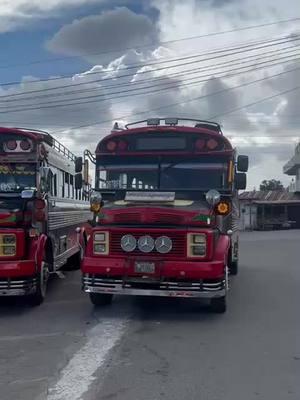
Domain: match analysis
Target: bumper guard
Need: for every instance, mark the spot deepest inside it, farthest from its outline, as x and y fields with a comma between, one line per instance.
x=94, y=284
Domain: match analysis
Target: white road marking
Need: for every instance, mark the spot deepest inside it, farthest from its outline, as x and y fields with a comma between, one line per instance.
x=78, y=375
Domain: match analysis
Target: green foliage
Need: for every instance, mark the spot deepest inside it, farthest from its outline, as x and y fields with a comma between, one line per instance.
x=271, y=184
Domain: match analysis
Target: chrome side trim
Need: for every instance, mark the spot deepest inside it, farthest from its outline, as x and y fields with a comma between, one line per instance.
x=62, y=219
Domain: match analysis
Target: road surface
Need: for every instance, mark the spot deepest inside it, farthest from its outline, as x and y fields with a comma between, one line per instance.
x=160, y=348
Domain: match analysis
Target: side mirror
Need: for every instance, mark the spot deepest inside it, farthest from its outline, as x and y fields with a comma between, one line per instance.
x=44, y=178
x=243, y=163
x=78, y=165
x=78, y=181
x=240, y=181
x=86, y=171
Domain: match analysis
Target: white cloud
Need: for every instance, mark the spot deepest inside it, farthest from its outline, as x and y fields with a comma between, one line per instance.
x=18, y=13
x=177, y=19
x=116, y=29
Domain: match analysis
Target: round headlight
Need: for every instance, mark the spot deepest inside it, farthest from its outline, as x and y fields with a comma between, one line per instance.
x=128, y=243
x=213, y=197
x=163, y=244
x=146, y=244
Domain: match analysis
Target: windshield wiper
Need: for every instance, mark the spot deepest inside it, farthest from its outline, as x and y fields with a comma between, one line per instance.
x=176, y=163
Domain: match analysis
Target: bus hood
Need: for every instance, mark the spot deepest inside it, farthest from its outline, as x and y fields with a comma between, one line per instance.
x=179, y=212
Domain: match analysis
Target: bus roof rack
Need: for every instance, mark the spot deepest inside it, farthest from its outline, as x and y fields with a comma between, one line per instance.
x=52, y=142
x=198, y=123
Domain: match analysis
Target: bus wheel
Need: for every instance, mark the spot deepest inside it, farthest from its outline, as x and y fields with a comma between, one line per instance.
x=218, y=305
x=42, y=277
x=101, y=299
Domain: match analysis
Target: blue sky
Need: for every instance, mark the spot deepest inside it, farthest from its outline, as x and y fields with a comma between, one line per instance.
x=27, y=44
x=29, y=28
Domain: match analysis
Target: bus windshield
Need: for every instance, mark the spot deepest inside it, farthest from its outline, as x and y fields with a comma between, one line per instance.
x=15, y=177
x=147, y=174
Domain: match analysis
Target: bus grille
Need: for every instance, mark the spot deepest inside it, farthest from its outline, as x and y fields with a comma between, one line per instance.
x=178, y=241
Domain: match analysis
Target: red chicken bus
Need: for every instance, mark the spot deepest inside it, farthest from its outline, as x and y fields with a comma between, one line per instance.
x=42, y=202
x=165, y=212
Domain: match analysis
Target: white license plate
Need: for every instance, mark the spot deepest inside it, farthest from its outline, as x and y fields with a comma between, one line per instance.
x=144, y=267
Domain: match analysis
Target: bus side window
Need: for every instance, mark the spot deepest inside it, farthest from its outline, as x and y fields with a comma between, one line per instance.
x=71, y=187
x=67, y=186
x=53, y=185
x=60, y=182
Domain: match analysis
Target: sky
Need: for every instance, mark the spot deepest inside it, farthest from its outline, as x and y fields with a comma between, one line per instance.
x=73, y=67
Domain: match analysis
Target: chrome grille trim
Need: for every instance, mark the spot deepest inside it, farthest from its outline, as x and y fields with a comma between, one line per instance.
x=178, y=244
x=14, y=287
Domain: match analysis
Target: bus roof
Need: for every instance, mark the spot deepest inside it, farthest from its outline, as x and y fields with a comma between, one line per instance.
x=197, y=123
x=42, y=136
x=170, y=126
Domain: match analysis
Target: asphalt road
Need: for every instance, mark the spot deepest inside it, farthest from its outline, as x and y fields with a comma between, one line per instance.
x=159, y=348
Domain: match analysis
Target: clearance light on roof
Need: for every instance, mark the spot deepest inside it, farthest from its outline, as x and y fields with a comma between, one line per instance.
x=14, y=146
x=171, y=121
x=200, y=144
x=153, y=121
x=11, y=145
x=122, y=145
x=111, y=145
x=212, y=144
x=25, y=145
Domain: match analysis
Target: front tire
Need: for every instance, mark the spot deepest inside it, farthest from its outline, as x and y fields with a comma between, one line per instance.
x=218, y=305
x=42, y=277
x=101, y=299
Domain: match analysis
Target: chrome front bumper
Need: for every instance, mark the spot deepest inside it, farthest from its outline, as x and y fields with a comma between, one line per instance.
x=93, y=284
x=17, y=287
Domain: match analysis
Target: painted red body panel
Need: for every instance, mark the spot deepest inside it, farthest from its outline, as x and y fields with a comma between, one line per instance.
x=211, y=267
x=20, y=268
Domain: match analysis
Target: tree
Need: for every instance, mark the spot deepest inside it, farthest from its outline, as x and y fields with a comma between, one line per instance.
x=271, y=184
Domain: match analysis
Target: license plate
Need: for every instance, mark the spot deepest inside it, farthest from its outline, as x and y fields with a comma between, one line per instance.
x=144, y=267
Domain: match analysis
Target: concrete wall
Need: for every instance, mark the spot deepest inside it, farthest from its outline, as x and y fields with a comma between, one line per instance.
x=248, y=216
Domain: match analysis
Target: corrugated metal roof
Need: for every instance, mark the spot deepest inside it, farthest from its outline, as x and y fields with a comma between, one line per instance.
x=272, y=196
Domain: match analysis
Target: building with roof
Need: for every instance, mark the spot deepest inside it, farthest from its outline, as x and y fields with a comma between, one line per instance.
x=267, y=210
x=292, y=168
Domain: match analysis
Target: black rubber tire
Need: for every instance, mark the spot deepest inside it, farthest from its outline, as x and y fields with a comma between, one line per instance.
x=101, y=299
x=218, y=305
x=233, y=267
x=37, y=298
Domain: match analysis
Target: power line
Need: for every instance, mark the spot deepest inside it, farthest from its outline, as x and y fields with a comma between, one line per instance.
x=255, y=103
x=193, y=71
x=170, y=105
x=154, y=44
x=170, y=87
x=98, y=80
x=133, y=89
x=233, y=51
